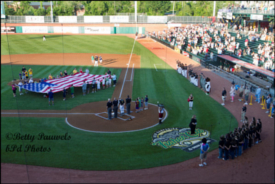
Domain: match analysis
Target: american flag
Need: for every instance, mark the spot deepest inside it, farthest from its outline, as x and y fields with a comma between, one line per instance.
x=57, y=85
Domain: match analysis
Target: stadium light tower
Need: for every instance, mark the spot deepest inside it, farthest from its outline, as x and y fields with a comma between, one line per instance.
x=52, y=11
x=136, y=11
x=214, y=9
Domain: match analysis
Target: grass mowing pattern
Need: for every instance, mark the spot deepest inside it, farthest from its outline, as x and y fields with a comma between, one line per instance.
x=90, y=151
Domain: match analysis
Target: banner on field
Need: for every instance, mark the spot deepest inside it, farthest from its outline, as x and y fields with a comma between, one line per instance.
x=120, y=19
x=97, y=30
x=219, y=15
x=156, y=19
x=229, y=16
x=34, y=29
x=67, y=19
x=34, y=19
x=64, y=29
x=7, y=29
x=93, y=19
x=256, y=17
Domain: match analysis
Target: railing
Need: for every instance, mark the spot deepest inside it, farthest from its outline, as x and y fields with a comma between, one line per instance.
x=254, y=11
x=248, y=11
x=128, y=19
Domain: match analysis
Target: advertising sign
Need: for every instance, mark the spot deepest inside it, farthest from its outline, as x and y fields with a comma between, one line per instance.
x=219, y=15
x=64, y=29
x=93, y=19
x=120, y=19
x=97, y=30
x=256, y=17
x=7, y=29
x=34, y=19
x=156, y=19
x=229, y=16
x=34, y=29
x=67, y=19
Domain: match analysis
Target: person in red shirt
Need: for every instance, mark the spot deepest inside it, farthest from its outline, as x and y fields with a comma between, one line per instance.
x=80, y=70
x=246, y=42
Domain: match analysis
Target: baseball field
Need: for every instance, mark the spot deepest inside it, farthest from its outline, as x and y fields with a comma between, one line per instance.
x=87, y=150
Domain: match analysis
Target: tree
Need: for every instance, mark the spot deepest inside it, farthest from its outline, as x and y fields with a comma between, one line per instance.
x=8, y=11
x=111, y=11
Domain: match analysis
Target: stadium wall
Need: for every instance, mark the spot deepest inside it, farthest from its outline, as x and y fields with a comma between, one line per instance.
x=114, y=28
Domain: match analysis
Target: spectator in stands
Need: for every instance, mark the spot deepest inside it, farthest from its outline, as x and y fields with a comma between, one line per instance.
x=255, y=59
x=239, y=53
x=268, y=102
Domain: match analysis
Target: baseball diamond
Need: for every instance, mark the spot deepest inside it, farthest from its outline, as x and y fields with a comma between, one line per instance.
x=62, y=126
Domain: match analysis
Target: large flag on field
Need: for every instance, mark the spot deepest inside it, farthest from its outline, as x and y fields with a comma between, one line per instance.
x=57, y=85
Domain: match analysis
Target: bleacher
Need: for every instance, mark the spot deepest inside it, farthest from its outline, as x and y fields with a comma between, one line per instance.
x=248, y=58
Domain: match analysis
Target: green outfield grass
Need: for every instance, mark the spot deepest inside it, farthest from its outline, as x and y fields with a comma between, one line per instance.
x=92, y=151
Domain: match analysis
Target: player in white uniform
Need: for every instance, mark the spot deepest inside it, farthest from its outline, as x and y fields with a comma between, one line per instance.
x=44, y=38
x=98, y=84
x=100, y=59
x=96, y=62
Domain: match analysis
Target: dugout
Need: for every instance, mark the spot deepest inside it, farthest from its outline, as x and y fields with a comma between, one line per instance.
x=250, y=72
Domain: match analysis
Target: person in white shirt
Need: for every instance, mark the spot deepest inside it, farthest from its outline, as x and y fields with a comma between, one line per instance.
x=260, y=46
x=212, y=45
x=114, y=79
x=98, y=84
x=31, y=80
x=20, y=85
x=103, y=83
x=211, y=56
x=237, y=45
x=87, y=71
x=256, y=60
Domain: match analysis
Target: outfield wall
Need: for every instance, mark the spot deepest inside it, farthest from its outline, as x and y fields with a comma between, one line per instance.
x=120, y=28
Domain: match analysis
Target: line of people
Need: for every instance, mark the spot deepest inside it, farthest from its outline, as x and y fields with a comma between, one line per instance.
x=112, y=106
x=235, y=143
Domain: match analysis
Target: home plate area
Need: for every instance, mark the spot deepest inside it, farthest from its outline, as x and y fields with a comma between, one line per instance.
x=124, y=117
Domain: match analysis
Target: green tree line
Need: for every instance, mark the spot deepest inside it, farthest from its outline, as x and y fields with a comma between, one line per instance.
x=182, y=8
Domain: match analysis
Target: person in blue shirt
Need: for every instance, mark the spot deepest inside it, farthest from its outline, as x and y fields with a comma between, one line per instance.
x=50, y=94
x=20, y=76
x=203, y=152
x=237, y=87
x=258, y=94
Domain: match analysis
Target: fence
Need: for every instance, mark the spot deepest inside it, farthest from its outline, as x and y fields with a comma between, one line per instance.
x=116, y=19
